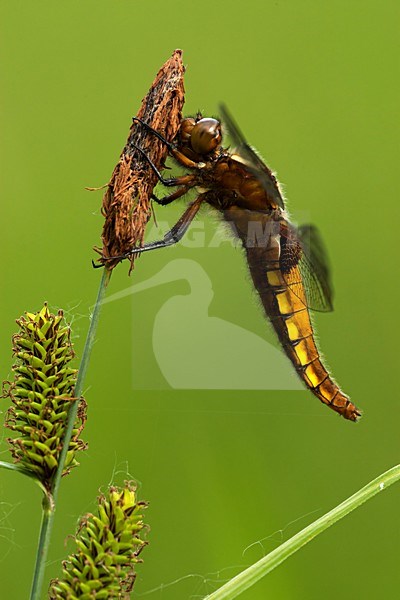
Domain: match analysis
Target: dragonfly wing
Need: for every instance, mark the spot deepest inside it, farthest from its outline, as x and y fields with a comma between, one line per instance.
x=253, y=161
x=305, y=266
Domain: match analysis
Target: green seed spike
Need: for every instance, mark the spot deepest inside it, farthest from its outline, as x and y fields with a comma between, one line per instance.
x=41, y=394
x=103, y=565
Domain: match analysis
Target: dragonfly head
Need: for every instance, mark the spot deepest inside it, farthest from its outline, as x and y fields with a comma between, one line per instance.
x=203, y=135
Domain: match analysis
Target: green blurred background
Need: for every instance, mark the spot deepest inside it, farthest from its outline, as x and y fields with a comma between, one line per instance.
x=315, y=87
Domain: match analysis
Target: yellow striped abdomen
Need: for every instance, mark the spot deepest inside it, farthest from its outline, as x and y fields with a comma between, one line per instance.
x=285, y=304
x=290, y=317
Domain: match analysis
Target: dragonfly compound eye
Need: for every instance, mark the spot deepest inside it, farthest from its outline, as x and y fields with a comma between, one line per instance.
x=186, y=129
x=206, y=136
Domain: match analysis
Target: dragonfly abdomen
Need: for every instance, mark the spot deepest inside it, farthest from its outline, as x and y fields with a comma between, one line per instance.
x=290, y=317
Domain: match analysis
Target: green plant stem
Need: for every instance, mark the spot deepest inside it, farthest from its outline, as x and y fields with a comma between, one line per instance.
x=252, y=574
x=50, y=500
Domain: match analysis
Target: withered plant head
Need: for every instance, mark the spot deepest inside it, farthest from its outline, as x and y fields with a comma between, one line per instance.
x=127, y=200
x=41, y=393
x=108, y=547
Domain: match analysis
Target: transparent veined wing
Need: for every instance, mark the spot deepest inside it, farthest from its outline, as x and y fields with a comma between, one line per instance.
x=305, y=266
x=253, y=161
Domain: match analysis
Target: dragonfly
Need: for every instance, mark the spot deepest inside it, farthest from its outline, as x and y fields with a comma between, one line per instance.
x=288, y=264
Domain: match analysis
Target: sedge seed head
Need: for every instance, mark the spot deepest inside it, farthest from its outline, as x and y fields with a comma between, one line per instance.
x=41, y=394
x=108, y=545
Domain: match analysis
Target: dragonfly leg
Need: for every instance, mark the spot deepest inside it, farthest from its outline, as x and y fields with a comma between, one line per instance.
x=172, y=181
x=171, y=237
x=158, y=135
x=171, y=197
x=185, y=161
